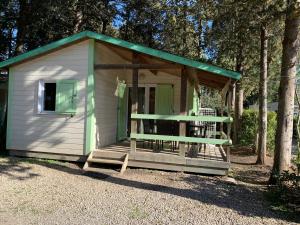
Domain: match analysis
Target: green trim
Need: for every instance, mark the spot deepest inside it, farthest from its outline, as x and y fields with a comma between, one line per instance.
x=122, y=106
x=9, y=135
x=43, y=49
x=124, y=44
x=181, y=139
x=90, y=128
x=183, y=118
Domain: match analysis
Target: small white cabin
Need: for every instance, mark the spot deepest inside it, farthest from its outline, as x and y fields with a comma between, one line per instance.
x=88, y=92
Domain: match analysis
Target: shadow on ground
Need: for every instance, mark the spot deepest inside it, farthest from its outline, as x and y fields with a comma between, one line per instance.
x=246, y=200
x=15, y=169
x=244, y=167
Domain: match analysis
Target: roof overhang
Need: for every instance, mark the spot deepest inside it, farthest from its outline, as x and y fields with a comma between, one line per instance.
x=202, y=68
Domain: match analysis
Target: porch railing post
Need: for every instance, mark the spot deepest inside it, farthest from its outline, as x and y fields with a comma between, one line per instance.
x=183, y=110
x=134, y=103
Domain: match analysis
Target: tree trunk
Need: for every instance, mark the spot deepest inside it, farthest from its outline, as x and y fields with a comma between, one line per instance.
x=200, y=28
x=105, y=22
x=284, y=131
x=238, y=110
x=78, y=18
x=239, y=100
x=184, y=36
x=22, y=26
x=233, y=98
x=262, y=119
x=10, y=45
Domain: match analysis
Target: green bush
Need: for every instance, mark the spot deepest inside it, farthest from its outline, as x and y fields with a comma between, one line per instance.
x=272, y=124
x=249, y=129
x=285, y=195
x=295, y=120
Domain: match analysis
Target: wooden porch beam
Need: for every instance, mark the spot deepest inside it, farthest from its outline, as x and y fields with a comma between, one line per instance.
x=183, y=110
x=229, y=105
x=134, y=102
x=223, y=99
x=137, y=66
x=226, y=87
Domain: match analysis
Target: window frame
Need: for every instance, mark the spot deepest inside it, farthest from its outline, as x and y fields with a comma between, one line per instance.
x=41, y=95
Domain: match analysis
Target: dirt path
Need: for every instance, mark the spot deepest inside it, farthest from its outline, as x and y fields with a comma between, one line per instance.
x=39, y=192
x=244, y=168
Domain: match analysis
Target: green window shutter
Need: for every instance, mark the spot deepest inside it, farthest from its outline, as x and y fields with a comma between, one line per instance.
x=122, y=107
x=196, y=104
x=190, y=95
x=193, y=101
x=66, y=94
x=164, y=99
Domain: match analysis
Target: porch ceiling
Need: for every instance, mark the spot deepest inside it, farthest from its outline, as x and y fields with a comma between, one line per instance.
x=200, y=76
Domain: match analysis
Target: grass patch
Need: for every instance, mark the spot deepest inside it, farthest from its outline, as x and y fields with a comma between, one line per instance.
x=137, y=213
x=285, y=195
x=32, y=160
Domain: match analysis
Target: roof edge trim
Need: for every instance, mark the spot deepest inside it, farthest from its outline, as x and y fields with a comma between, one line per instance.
x=125, y=44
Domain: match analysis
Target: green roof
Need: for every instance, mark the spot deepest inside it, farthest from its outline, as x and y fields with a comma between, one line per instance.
x=125, y=44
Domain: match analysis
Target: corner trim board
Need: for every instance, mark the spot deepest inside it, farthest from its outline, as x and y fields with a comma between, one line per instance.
x=9, y=134
x=90, y=101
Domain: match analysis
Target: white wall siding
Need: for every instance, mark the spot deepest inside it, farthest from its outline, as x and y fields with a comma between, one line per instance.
x=49, y=132
x=106, y=101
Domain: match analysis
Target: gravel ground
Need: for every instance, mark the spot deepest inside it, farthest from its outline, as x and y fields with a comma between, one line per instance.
x=47, y=192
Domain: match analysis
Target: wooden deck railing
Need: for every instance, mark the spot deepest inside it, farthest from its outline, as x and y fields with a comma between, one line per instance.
x=224, y=140
x=217, y=119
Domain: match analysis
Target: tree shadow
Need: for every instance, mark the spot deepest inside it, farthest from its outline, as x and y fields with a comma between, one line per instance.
x=16, y=170
x=253, y=176
x=243, y=163
x=245, y=200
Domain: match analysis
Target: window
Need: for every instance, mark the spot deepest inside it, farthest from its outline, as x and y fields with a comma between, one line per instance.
x=57, y=96
x=49, y=96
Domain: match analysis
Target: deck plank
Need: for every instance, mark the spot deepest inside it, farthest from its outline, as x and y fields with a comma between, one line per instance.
x=209, y=160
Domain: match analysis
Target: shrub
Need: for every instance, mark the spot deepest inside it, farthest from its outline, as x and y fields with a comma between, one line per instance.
x=295, y=120
x=286, y=192
x=249, y=129
x=272, y=124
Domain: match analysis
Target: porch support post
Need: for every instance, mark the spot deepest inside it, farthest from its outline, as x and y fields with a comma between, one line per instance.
x=183, y=110
x=223, y=101
x=229, y=105
x=224, y=93
x=134, y=103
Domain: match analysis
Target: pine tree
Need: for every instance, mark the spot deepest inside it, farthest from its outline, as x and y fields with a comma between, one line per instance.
x=291, y=45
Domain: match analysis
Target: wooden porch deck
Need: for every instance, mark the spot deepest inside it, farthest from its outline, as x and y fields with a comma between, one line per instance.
x=212, y=160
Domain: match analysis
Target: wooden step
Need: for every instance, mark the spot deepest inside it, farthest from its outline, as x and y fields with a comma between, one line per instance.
x=107, y=172
x=125, y=163
x=98, y=157
x=109, y=155
x=105, y=161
